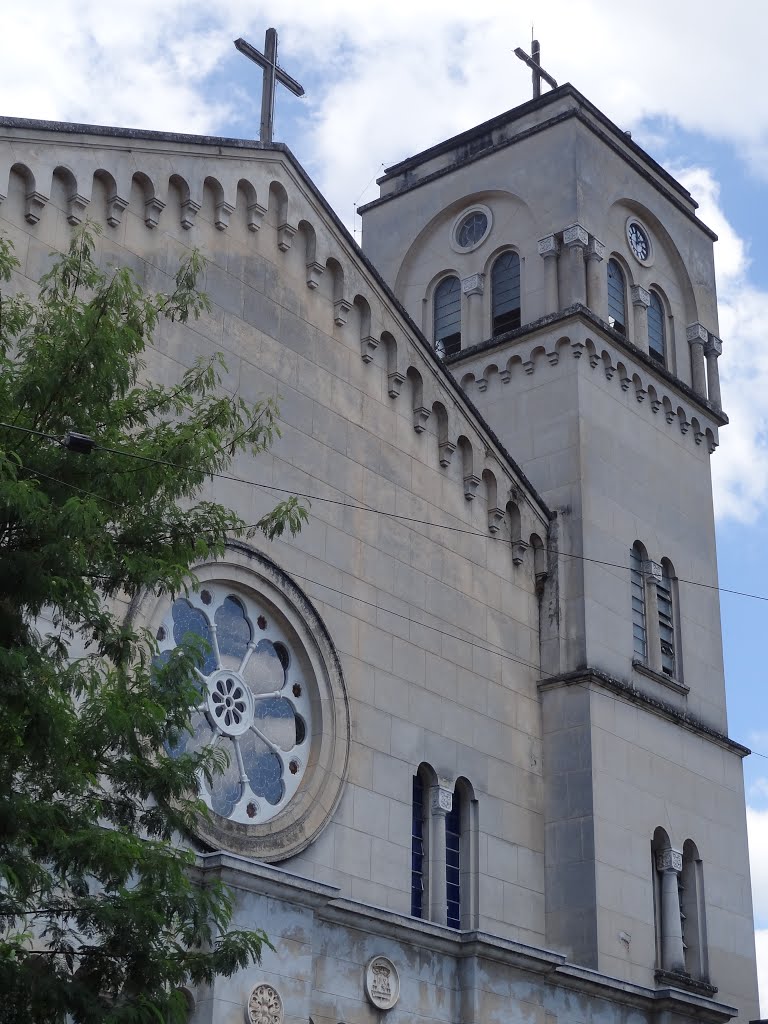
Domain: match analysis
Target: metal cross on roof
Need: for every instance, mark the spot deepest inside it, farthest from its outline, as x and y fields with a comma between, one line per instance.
x=534, y=63
x=272, y=74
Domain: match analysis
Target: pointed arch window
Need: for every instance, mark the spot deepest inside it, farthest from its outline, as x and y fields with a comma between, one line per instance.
x=505, y=293
x=447, y=317
x=639, y=633
x=657, y=340
x=617, y=305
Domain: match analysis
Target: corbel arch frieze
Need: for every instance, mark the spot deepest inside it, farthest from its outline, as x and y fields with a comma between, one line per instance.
x=593, y=351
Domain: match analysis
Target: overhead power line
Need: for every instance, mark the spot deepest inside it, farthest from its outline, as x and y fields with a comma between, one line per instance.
x=347, y=504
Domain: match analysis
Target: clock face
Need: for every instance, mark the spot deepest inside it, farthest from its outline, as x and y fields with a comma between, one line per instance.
x=471, y=229
x=639, y=242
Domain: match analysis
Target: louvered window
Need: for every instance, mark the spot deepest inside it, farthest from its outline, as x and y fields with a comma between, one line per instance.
x=617, y=316
x=666, y=623
x=638, y=604
x=453, y=862
x=417, y=848
x=505, y=293
x=447, y=306
x=657, y=342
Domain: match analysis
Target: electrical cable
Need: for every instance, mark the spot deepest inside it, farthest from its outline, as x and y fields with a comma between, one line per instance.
x=393, y=515
x=487, y=646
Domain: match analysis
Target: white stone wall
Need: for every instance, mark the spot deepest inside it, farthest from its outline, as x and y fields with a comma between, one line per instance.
x=437, y=629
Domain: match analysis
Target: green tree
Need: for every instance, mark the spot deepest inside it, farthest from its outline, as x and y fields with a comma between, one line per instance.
x=101, y=915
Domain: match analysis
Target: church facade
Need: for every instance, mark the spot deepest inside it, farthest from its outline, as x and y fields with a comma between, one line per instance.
x=479, y=764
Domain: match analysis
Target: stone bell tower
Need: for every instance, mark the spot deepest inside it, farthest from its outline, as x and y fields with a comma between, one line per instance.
x=568, y=284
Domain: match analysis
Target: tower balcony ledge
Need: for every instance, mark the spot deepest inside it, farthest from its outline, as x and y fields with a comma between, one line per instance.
x=525, y=338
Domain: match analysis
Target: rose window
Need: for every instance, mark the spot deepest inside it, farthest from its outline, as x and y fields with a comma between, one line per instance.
x=254, y=702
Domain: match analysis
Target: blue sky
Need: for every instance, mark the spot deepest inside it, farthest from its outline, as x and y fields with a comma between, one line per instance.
x=386, y=78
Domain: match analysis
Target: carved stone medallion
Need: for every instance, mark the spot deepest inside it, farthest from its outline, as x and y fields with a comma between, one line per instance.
x=264, y=1006
x=382, y=983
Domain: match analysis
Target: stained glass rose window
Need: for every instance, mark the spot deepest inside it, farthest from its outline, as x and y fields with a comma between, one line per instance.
x=254, y=701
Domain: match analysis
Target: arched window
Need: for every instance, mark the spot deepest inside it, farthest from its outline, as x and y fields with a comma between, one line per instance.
x=453, y=866
x=639, y=633
x=505, y=293
x=419, y=830
x=665, y=596
x=617, y=307
x=693, y=913
x=447, y=313
x=657, y=339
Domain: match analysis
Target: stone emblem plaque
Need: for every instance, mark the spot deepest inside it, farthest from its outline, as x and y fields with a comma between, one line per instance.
x=382, y=983
x=264, y=1006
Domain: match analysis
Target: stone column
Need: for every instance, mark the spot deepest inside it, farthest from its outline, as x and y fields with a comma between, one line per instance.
x=713, y=349
x=641, y=300
x=473, y=288
x=697, y=336
x=574, y=287
x=596, y=284
x=652, y=574
x=549, y=250
x=440, y=803
x=669, y=864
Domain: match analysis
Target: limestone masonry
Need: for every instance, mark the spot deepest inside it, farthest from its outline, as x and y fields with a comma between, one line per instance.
x=479, y=762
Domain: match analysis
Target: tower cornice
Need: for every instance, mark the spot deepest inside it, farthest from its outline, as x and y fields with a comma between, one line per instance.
x=579, y=313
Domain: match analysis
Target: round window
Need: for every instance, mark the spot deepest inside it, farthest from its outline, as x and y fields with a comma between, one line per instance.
x=272, y=699
x=254, y=702
x=471, y=228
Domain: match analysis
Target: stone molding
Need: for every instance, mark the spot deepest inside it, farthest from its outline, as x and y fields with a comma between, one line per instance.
x=440, y=800
x=595, y=249
x=316, y=800
x=580, y=314
x=473, y=285
x=631, y=376
x=652, y=571
x=669, y=860
x=329, y=906
x=382, y=982
x=264, y=1006
x=640, y=296
x=575, y=235
x=548, y=246
x=192, y=167
x=713, y=345
x=696, y=334
x=620, y=687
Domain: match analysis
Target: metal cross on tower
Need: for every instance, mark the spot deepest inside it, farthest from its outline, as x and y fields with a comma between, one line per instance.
x=534, y=63
x=272, y=74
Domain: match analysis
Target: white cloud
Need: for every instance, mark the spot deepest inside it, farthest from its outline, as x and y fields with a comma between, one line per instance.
x=757, y=826
x=740, y=467
x=761, y=945
x=757, y=793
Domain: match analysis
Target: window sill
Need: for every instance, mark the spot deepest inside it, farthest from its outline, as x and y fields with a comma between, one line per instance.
x=659, y=677
x=685, y=981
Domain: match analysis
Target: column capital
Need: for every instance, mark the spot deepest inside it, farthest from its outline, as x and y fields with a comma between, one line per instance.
x=669, y=860
x=713, y=346
x=595, y=249
x=697, y=334
x=652, y=571
x=549, y=246
x=473, y=285
x=441, y=800
x=640, y=296
x=575, y=235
